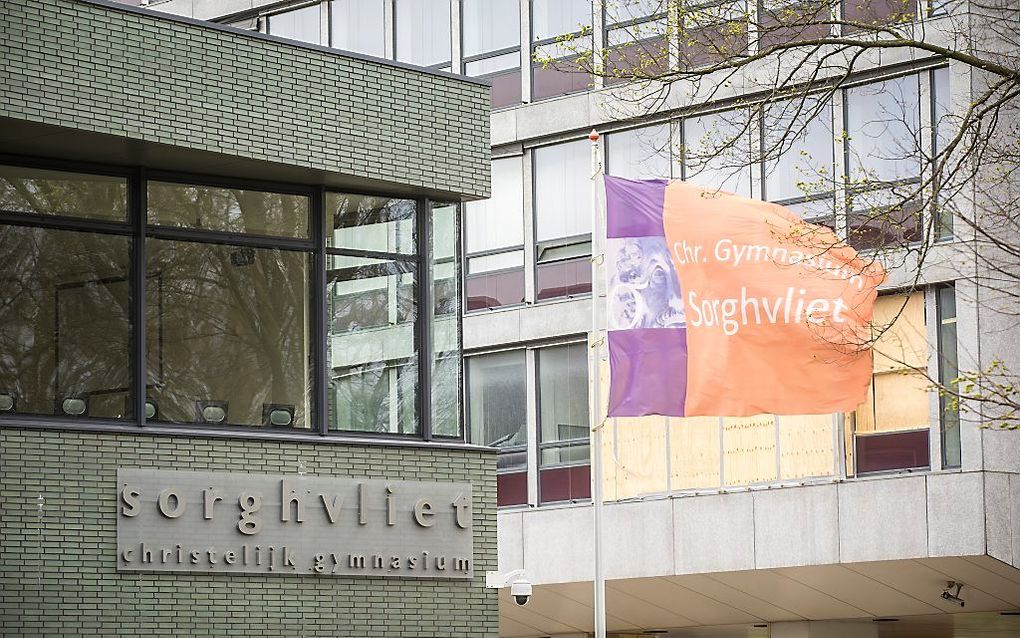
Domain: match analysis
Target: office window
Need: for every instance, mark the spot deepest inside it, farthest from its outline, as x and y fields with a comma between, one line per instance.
x=359, y=26
x=640, y=153
x=423, y=32
x=45, y=192
x=563, y=422
x=563, y=219
x=717, y=152
x=446, y=313
x=300, y=24
x=944, y=130
x=561, y=37
x=497, y=411
x=636, y=35
x=783, y=21
x=494, y=240
x=228, y=210
x=797, y=148
x=949, y=370
x=234, y=339
x=862, y=14
x=712, y=32
x=883, y=131
x=891, y=426
x=65, y=332
x=372, y=314
x=491, y=35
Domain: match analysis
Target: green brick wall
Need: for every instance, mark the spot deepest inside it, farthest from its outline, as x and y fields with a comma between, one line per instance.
x=145, y=77
x=58, y=572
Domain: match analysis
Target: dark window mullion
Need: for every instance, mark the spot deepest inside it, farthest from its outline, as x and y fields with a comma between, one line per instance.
x=137, y=210
x=423, y=338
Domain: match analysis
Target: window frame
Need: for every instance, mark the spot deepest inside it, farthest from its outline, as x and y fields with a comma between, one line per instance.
x=137, y=228
x=492, y=54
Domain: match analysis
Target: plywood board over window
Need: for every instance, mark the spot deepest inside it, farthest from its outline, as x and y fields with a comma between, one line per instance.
x=898, y=395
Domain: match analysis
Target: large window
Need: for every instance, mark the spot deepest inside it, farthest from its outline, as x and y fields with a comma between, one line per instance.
x=497, y=409
x=423, y=32
x=491, y=38
x=797, y=148
x=494, y=243
x=358, y=25
x=717, y=151
x=560, y=38
x=640, y=153
x=298, y=24
x=563, y=423
x=254, y=314
x=562, y=220
x=892, y=426
x=636, y=35
x=883, y=157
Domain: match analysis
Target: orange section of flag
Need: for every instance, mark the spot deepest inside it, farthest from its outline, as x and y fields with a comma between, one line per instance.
x=777, y=310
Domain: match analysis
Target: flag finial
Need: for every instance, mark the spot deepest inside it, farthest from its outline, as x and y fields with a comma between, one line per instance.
x=593, y=136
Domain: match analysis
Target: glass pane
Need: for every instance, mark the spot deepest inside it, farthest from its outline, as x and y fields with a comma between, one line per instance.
x=234, y=342
x=493, y=64
x=949, y=370
x=358, y=25
x=497, y=403
x=880, y=227
x=560, y=69
x=423, y=31
x=623, y=10
x=228, y=209
x=498, y=222
x=566, y=278
x=499, y=261
x=372, y=358
x=550, y=18
x=873, y=12
x=717, y=152
x=300, y=24
x=446, y=367
x=490, y=25
x=65, y=334
x=563, y=190
x=798, y=149
x=360, y=222
x=945, y=131
x=883, y=126
x=563, y=400
x=641, y=153
x=495, y=289
x=32, y=190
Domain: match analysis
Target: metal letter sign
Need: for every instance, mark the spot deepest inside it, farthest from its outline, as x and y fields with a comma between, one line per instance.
x=292, y=524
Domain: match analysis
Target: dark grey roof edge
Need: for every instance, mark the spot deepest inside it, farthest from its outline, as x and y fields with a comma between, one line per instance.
x=215, y=26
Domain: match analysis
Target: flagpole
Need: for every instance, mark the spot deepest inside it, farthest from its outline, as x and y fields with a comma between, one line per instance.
x=595, y=402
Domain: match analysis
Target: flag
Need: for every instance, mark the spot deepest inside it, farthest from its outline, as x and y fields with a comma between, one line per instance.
x=720, y=305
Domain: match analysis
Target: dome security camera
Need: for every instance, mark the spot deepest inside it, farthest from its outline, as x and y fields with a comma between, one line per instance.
x=520, y=591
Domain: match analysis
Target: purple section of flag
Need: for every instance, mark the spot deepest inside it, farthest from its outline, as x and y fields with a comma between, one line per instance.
x=634, y=207
x=649, y=371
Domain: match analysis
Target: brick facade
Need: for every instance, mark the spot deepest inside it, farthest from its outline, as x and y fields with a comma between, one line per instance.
x=144, y=77
x=59, y=576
